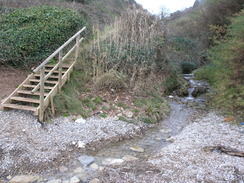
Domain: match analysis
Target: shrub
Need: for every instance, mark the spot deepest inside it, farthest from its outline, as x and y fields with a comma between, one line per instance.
x=188, y=67
x=27, y=36
x=227, y=68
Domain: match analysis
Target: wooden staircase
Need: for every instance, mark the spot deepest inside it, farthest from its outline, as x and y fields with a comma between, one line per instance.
x=37, y=91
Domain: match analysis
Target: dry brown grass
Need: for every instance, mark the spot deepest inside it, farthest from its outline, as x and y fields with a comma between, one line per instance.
x=128, y=47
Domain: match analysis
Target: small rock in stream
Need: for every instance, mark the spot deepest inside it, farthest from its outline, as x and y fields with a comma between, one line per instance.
x=81, y=144
x=86, y=160
x=96, y=180
x=74, y=180
x=112, y=161
x=94, y=166
x=24, y=179
x=54, y=181
x=129, y=158
x=137, y=149
x=79, y=170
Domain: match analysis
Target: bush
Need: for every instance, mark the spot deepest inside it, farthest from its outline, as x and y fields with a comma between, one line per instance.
x=226, y=72
x=28, y=36
x=187, y=67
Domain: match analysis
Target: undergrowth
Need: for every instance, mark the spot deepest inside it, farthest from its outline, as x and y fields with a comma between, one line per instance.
x=225, y=72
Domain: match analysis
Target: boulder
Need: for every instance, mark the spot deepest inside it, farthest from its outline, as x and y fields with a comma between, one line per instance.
x=199, y=91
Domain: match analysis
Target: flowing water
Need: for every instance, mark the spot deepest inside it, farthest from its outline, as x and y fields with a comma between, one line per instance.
x=153, y=139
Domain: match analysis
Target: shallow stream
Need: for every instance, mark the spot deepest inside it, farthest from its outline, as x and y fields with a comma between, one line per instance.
x=152, y=140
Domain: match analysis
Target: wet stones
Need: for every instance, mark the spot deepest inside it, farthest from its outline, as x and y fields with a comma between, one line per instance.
x=199, y=91
x=86, y=160
x=24, y=179
x=112, y=161
x=137, y=149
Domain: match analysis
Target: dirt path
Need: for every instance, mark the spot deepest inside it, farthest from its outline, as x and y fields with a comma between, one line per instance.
x=9, y=79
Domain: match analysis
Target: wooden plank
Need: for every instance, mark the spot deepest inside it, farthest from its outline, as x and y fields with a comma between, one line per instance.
x=22, y=107
x=66, y=66
x=33, y=86
x=56, y=72
x=60, y=58
x=52, y=77
x=15, y=91
x=58, y=50
x=30, y=93
x=49, y=82
x=23, y=99
x=42, y=90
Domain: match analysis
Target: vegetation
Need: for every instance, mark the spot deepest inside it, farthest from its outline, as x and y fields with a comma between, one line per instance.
x=226, y=69
x=28, y=36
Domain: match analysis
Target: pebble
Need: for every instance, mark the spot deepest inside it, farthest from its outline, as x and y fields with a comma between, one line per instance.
x=24, y=179
x=63, y=169
x=96, y=180
x=74, y=180
x=129, y=158
x=79, y=170
x=166, y=131
x=81, y=144
x=80, y=121
x=86, y=160
x=112, y=161
x=128, y=114
x=94, y=166
x=54, y=181
x=137, y=149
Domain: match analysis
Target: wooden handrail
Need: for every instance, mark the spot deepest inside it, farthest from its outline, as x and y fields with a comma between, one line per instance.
x=58, y=50
x=58, y=66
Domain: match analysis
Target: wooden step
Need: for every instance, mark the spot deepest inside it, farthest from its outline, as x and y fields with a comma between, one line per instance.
x=22, y=107
x=33, y=86
x=23, y=99
x=30, y=93
x=65, y=66
x=56, y=72
x=38, y=81
x=52, y=77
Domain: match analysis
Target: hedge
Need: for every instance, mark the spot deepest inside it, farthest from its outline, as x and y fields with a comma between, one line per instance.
x=28, y=36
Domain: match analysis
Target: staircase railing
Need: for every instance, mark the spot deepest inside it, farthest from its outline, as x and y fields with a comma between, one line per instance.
x=61, y=58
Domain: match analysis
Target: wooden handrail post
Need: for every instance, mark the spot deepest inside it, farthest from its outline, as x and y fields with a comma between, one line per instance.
x=60, y=58
x=42, y=82
x=77, y=51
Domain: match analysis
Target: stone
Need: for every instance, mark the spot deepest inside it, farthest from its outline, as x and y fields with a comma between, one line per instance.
x=24, y=179
x=79, y=170
x=74, y=180
x=81, y=144
x=96, y=180
x=94, y=166
x=128, y=113
x=86, y=160
x=158, y=139
x=137, y=149
x=199, y=91
x=80, y=121
x=166, y=131
x=9, y=177
x=171, y=96
x=63, y=169
x=170, y=139
x=54, y=181
x=129, y=158
x=112, y=161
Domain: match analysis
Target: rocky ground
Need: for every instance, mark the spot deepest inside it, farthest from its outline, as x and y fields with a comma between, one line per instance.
x=189, y=158
x=40, y=152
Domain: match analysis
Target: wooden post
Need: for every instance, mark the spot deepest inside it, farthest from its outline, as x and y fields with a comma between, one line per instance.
x=60, y=57
x=77, y=47
x=52, y=105
x=42, y=82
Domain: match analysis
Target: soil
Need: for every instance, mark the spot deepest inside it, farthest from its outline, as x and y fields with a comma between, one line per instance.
x=10, y=78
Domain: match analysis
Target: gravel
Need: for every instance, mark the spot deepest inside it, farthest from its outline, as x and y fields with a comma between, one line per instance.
x=24, y=142
x=186, y=159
